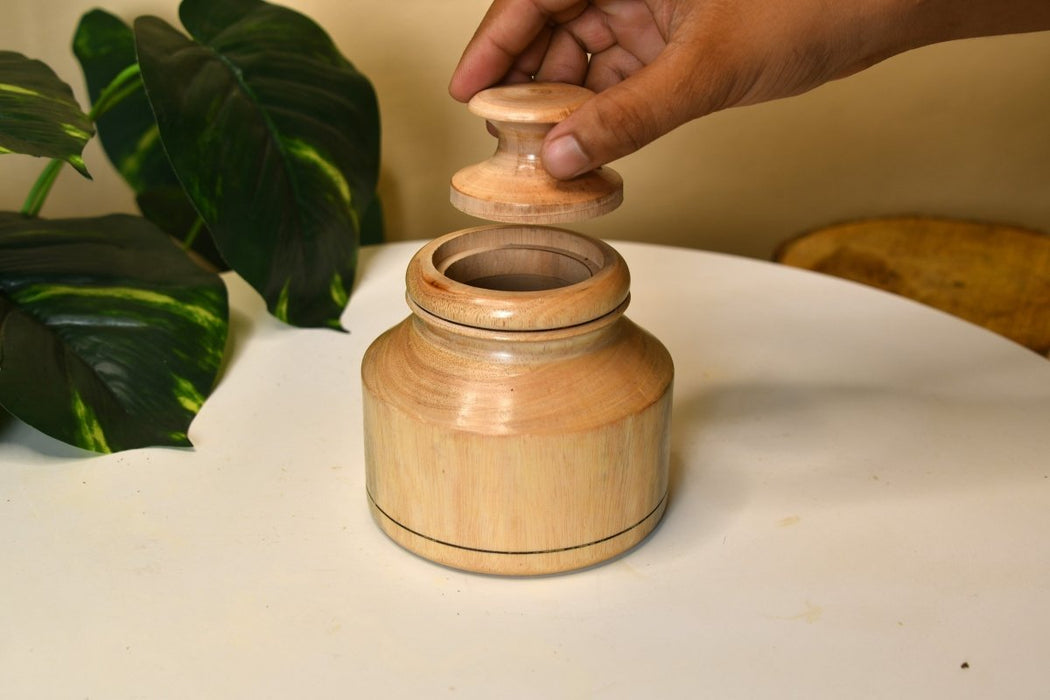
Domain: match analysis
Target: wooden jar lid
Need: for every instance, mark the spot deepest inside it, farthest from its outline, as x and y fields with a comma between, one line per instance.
x=512, y=186
x=529, y=103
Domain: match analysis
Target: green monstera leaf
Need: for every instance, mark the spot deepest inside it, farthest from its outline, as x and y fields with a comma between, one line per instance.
x=105, y=47
x=274, y=136
x=38, y=114
x=110, y=337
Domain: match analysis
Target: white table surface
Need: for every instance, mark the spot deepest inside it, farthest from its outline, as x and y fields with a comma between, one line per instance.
x=860, y=508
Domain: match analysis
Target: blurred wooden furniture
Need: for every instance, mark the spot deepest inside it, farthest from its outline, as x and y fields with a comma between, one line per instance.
x=996, y=276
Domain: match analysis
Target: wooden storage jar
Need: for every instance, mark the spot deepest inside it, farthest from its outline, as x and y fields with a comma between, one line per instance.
x=517, y=422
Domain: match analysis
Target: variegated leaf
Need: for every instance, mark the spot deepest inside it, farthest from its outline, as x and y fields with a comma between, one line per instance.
x=110, y=338
x=105, y=47
x=275, y=138
x=38, y=114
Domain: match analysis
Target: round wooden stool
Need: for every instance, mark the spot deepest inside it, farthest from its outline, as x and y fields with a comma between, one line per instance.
x=993, y=275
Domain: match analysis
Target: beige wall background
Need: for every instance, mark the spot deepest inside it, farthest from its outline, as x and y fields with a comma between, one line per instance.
x=959, y=129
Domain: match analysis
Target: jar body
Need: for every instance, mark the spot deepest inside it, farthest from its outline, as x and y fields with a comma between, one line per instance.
x=517, y=451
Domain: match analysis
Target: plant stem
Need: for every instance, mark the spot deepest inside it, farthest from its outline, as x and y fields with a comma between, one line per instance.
x=35, y=201
x=125, y=83
x=101, y=108
x=191, y=236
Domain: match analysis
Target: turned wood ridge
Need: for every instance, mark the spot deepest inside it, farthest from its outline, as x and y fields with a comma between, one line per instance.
x=512, y=186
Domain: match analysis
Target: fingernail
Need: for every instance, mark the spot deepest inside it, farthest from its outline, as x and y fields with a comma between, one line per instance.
x=563, y=158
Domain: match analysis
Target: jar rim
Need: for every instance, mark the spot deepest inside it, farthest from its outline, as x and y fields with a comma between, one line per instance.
x=517, y=277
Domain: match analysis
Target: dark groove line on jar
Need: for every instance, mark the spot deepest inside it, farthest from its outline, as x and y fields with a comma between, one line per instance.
x=517, y=553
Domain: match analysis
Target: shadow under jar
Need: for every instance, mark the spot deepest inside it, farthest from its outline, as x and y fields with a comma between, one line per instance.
x=517, y=422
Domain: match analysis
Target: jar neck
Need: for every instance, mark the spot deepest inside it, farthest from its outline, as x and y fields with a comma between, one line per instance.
x=518, y=279
x=510, y=346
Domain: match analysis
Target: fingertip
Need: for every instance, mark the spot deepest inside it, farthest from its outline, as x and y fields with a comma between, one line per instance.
x=465, y=83
x=564, y=157
x=455, y=91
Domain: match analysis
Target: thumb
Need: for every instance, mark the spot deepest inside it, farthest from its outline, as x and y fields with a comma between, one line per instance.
x=621, y=119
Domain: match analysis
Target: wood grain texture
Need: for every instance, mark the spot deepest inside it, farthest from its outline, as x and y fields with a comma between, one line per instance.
x=993, y=275
x=517, y=451
x=512, y=185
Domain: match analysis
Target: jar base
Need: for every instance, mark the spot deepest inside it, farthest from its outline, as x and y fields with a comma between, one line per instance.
x=518, y=563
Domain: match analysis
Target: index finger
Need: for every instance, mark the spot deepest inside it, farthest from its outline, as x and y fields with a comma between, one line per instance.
x=507, y=30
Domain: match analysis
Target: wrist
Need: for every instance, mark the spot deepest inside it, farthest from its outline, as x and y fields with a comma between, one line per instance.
x=933, y=21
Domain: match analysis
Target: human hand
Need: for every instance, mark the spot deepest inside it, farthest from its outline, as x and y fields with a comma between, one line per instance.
x=657, y=64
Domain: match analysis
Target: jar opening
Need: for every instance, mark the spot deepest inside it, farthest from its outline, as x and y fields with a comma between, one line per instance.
x=522, y=269
x=518, y=258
